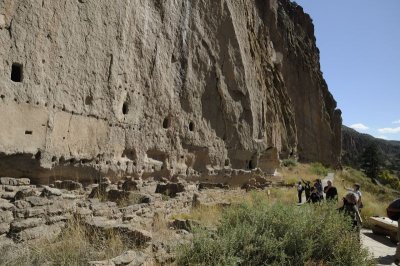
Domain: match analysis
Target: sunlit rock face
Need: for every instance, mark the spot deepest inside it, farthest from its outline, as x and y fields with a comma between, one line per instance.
x=160, y=88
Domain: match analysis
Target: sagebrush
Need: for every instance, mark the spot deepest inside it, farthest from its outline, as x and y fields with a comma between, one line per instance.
x=259, y=233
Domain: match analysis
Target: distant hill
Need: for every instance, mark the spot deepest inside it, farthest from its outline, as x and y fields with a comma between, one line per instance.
x=354, y=144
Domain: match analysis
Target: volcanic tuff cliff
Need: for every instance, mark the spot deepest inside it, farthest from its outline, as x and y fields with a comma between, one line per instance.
x=153, y=87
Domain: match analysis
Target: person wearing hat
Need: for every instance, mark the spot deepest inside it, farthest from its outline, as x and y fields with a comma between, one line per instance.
x=357, y=192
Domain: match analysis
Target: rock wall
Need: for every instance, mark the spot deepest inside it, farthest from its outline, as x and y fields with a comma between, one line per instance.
x=159, y=88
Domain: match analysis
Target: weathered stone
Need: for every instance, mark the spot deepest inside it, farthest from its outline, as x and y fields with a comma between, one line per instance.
x=19, y=225
x=8, y=195
x=186, y=225
x=4, y=228
x=134, y=236
x=117, y=195
x=49, y=192
x=101, y=223
x=199, y=105
x=99, y=191
x=212, y=185
x=6, y=216
x=68, y=185
x=56, y=219
x=102, y=263
x=130, y=257
x=130, y=185
x=24, y=193
x=170, y=189
x=6, y=205
x=47, y=232
x=14, y=181
x=35, y=211
x=38, y=201
x=22, y=204
x=83, y=212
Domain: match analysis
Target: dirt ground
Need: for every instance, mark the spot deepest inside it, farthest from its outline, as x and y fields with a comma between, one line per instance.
x=381, y=247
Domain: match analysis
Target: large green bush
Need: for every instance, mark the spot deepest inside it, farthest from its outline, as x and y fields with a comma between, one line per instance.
x=263, y=234
x=319, y=169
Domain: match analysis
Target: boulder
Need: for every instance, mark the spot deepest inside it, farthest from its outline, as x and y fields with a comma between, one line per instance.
x=4, y=228
x=99, y=191
x=38, y=201
x=47, y=232
x=181, y=224
x=212, y=186
x=35, y=211
x=8, y=195
x=116, y=195
x=102, y=263
x=130, y=185
x=24, y=193
x=68, y=185
x=22, y=204
x=19, y=225
x=170, y=189
x=134, y=237
x=6, y=205
x=49, y=192
x=14, y=181
x=6, y=216
x=130, y=257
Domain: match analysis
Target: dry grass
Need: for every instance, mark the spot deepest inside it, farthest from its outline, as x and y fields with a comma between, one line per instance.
x=294, y=174
x=76, y=246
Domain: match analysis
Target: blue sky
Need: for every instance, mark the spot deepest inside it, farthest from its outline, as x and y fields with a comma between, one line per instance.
x=359, y=42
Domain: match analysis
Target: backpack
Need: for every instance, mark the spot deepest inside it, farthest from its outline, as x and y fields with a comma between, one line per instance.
x=393, y=210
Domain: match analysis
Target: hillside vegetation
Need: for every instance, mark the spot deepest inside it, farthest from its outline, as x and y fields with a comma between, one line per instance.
x=355, y=143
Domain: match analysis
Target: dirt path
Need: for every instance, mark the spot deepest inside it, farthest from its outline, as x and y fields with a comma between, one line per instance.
x=381, y=247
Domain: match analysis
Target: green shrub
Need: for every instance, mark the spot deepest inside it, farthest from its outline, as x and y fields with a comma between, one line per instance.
x=387, y=178
x=319, y=169
x=289, y=163
x=263, y=234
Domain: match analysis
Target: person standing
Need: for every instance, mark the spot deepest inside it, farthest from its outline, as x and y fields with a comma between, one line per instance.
x=299, y=191
x=307, y=189
x=318, y=186
x=357, y=192
x=314, y=196
x=330, y=192
x=350, y=208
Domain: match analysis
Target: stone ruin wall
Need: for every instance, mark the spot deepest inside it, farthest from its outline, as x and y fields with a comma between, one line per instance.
x=94, y=88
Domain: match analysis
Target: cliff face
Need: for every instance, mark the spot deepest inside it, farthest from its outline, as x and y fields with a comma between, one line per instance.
x=160, y=88
x=355, y=143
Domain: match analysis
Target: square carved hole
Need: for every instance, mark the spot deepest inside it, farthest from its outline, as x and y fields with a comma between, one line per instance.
x=17, y=74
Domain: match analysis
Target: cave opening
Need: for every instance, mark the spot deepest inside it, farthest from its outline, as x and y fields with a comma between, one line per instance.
x=166, y=123
x=17, y=72
x=125, y=108
x=191, y=126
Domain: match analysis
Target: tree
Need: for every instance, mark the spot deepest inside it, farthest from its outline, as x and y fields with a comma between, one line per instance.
x=371, y=161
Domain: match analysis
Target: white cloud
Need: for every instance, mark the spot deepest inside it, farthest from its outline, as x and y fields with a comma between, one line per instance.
x=382, y=137
x=389, y=130
x=396, y=122
x=359, y=126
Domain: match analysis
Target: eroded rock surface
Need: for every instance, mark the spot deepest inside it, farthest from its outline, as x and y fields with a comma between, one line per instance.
x=159, y=88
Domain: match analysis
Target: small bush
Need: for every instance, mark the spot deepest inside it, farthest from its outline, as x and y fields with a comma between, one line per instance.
x=319, y=169
x=289, y=163
x=278, y=234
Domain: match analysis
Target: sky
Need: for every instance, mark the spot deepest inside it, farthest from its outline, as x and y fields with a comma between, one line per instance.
x=359, y=43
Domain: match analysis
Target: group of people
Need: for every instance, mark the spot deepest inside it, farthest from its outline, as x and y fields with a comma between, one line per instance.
x=316, y=192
